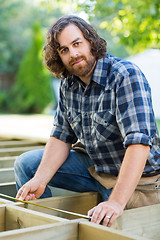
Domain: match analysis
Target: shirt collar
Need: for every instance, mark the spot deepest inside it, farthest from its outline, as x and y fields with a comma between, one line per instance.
x=99, y=74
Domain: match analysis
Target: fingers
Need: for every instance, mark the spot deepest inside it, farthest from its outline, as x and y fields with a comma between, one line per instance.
x=90, y=212
x=23, y=192
x=105, y=213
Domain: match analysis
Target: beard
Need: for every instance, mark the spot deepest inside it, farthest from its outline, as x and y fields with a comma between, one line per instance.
x=83, y=68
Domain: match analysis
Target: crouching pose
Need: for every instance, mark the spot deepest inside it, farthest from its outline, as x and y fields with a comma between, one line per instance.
x=105, y=104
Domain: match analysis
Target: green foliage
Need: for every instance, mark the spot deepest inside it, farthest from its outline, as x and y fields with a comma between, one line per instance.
x=10, y=47
x=133, y=23
x=158, y=124
x=16, y=19
x=32, y=90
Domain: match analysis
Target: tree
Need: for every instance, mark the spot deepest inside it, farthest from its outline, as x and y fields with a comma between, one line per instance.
x=133, y=23
x=32, y=90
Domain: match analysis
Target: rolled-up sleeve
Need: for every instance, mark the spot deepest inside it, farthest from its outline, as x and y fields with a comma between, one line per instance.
x=135, y=115
x=61, y=127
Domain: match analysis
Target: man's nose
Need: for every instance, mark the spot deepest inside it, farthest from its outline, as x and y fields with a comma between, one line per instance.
x=73, y=52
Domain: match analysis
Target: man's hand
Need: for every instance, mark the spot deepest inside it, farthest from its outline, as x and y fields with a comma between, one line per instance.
x=31, y=190
x=106, y=213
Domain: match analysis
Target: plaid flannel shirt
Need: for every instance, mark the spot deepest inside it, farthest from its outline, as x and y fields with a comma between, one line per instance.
x=112, y=112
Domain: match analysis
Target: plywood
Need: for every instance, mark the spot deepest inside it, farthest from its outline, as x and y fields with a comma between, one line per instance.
x=78, y=203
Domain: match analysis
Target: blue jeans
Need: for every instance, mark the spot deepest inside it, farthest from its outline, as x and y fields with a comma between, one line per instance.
x=73, y=175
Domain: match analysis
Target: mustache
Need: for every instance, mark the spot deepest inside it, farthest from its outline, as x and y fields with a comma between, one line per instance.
x=74, y=60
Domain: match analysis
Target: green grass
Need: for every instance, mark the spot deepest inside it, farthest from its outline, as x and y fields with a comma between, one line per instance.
x=158, y=124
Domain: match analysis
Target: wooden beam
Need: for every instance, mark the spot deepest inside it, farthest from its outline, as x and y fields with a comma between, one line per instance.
x=2, y=218
x=78, y=203
x=19, y=143
x=7, y=162
x=17, y=151
x=56, y=231
x=143, y=221
x=7, y=175
x=94, y=231
x=16, y=218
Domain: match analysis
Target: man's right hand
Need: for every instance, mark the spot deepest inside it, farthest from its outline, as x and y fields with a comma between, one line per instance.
x=31, y=190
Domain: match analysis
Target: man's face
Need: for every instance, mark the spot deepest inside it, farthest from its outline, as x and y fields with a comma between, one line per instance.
x=75, y=52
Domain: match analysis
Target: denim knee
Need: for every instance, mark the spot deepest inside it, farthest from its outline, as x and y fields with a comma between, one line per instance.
x=26, y=165
x=29, y=159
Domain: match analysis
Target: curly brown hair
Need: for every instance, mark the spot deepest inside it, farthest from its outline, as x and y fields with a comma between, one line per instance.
x=51, y=57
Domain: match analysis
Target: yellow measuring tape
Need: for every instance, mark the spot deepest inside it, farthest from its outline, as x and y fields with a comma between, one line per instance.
x=50, y=208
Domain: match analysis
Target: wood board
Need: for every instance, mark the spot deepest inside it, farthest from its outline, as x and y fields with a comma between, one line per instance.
x=78, y=203
x=13, y=217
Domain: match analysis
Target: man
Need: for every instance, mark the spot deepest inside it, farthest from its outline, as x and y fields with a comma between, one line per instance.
x=105, y=103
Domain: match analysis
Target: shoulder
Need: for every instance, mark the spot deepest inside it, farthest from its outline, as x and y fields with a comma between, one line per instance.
x=122, y=71
x=121, y=66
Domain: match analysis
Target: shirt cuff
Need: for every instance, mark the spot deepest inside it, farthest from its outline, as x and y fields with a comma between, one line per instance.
x=63, y=136
x=137, y=138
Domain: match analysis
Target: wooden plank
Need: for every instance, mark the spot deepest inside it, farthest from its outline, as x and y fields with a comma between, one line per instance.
x=4, y=201
x=17, y=151
x=19, y=143
x=94, y=231
x=16, y=218
x=56, y=231
x=7, y=175
x=78, y=203
x=7, y=162
x=2, y=218
x=143, y=221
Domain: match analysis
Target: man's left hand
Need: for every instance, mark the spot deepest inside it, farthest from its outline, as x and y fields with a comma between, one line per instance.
x=106, y=212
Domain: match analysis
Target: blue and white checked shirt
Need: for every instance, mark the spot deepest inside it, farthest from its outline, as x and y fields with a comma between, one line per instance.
x=111, y=113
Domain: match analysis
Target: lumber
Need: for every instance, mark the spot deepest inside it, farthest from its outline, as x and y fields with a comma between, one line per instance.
x=7, y=162
x=143, y=221
x=7, y=175
x=17, y=150
x=78, y=203
x=19, y=143
x=56, y=231
x=16, y=218
x=88, y=230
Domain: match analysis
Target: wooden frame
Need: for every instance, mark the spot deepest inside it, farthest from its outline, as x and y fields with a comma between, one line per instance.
x=78, y=203
x=13, y=217
x=21, y=221
x=143, y=221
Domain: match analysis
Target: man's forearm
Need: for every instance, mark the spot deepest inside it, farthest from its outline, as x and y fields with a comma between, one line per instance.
x=55, y=154
x=130, y=173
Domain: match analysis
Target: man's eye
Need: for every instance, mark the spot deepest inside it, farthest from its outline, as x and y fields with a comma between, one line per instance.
x=77, y=44
x=64, y=50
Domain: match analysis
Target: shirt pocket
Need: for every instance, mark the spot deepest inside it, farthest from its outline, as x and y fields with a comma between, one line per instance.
x=104, y=126
x=75, y=121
